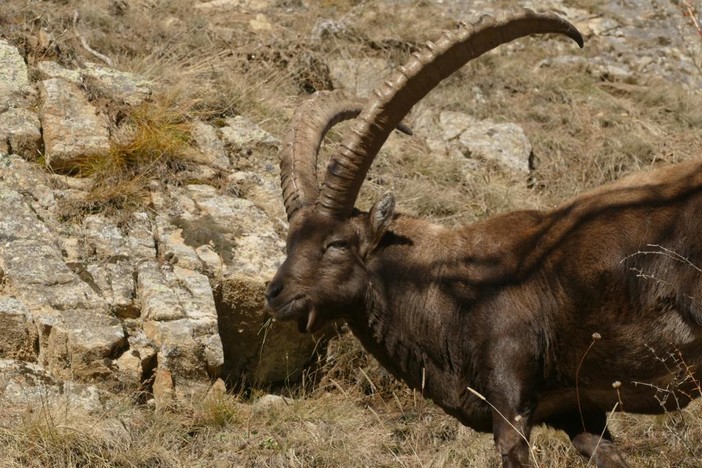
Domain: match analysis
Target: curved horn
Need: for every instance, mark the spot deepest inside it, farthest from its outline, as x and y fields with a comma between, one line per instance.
x=409, y=84
x=298, y=157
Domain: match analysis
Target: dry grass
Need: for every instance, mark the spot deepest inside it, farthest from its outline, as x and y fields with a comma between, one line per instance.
x=151, y=142
x=356, y=416
x=584, y=131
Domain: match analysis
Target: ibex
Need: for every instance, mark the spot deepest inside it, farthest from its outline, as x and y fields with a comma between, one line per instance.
x=532, y=317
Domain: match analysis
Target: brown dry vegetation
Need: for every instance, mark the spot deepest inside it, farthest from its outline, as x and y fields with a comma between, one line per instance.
x=585, y=131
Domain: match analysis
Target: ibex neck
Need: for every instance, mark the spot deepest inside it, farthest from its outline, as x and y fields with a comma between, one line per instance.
x=416, y=336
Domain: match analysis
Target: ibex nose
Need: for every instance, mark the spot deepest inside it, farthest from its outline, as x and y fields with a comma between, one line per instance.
x=274, y=288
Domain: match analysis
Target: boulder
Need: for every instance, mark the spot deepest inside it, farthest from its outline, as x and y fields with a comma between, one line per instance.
x=14, y=78
x=73, y=130
x=19, y=133
x=359, y=77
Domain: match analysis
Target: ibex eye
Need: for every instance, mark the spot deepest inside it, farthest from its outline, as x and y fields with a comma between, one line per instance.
x=338, y=244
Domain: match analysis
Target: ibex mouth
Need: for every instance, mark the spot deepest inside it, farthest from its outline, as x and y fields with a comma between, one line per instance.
x=297, y=309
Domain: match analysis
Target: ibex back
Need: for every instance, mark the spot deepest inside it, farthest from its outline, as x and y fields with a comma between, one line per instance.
x=530, y=317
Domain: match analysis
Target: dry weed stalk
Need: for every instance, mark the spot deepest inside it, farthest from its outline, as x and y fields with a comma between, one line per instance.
x=518, y=417
x=691, y=12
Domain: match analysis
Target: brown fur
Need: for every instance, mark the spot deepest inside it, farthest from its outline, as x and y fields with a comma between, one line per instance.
x=508, y=306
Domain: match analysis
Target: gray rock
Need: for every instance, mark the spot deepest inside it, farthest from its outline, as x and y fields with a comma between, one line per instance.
x=250, y=243
x=155, y=294
x=77, y=335
x=180, y=318
x=118, y=85
x=263, y=189
x=19, y=133
x=210, y=146
x=324, y=28
x=505, y=144
x=14, y=79
x=454, y=133
x=358, y=76
x=137, y=364
x=54, y=70
x=226, y=5
x=73, y=130
x=240, y=134
x=104, y=238
x=182, y=347
x=237, y=246
x=266, y=402
x=17, y=219
x=141, y=237
x=17, y=334
x=116, y=284
x=27, y=386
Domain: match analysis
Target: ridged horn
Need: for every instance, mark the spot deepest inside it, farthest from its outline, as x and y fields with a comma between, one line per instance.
x=408, y=85
x=298, y=157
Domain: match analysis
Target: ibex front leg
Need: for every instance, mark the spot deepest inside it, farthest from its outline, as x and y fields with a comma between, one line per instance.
x=513, y=398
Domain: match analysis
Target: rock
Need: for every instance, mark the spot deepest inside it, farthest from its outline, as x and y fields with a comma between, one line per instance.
x=118, y=85
x=240, y=135
x=117, y=285
x=77, y=335
x=14, y=79
x=163, y=389
x=115, y=84
x=217, y=391
x=324, y=28
x=73, y=130
x=180, y=318
x=260, y=23
x=53, y=70
x=19, y=133
x=137, y=364
x=17, y=333
x=358, y=76
x=505, y=144
x=104, y=238
x=601, y=25
x=245, y=249
x=454, y=133
x=17, y=220
x=225, y=5
x=157, y=299
x=249, y=243
x=263, y=189
x=27, y=387
x=266, y=402
x=210, y=146
x=141, y=237
x=178, y=238
x=255, y=349
x=183, y=347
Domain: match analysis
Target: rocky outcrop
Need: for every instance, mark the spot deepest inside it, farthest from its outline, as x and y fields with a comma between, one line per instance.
x=169, y=298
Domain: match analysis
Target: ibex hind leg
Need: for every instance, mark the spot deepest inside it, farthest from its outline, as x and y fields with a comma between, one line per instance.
x=594, y=441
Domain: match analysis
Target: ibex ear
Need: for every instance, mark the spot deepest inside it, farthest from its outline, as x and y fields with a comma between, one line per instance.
x=379, y=218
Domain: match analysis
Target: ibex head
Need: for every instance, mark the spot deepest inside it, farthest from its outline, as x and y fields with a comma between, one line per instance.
x=329, y=243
